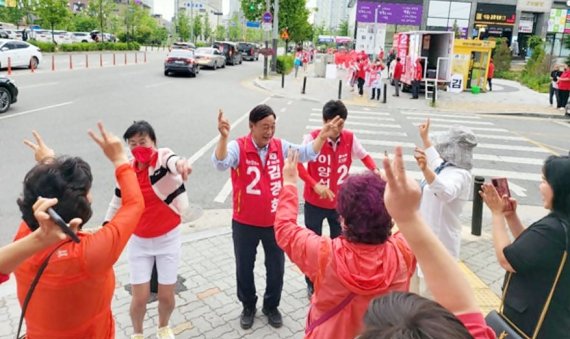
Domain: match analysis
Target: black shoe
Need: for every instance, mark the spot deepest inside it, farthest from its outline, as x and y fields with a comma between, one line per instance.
x=413, y=98
x=372, y=98
x=274, y=317
x=247, y=316
x=394, y=95
x=310, y=291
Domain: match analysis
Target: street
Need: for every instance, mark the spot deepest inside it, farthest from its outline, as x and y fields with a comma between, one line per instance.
x=63, y=105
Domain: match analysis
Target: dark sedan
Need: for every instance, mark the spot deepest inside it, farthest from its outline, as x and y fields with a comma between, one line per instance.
x=8, y=94
x=181, y=61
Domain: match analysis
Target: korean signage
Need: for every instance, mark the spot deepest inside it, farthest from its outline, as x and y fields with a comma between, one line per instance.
x=557, y=20
x=389, y=13
x=365, y=37
x=491, y=14
x=536, y=6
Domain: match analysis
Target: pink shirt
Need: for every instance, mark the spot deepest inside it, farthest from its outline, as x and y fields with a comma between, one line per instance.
x=475, y=324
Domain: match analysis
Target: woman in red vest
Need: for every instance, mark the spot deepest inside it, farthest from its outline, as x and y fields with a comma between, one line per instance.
x=256, y=163
x=325, y=174
x=366, y=261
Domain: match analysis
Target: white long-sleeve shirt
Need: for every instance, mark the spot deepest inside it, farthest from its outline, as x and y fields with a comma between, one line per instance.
x=442, y=201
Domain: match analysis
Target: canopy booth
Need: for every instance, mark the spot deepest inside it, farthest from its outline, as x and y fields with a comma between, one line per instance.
x=471, y=61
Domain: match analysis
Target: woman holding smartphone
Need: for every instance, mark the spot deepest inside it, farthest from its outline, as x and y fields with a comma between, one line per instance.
x=534, y=259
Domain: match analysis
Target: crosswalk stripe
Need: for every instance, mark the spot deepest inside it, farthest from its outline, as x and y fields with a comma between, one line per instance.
x=452, y=120
x=368, y=124
x=482, y=157
x=362, y=131
x=479, y=146
x=513, y=148
x=386, y=143
x=316, y=115
x=488, y=129
x=223, y=194
x=357, y=112
x=458, y=116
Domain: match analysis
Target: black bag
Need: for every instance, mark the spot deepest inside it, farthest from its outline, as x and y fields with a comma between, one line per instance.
x=506, y=329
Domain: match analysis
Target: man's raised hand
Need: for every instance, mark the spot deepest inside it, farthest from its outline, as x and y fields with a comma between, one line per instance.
x=223, y=124
x=110, y=144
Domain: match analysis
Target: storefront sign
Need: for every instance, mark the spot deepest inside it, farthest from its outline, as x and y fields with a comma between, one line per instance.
x=389, y=13
x=557, y=20
x=491, y=14
x=535, y=6
x=525, y=26
x=365, y=40
x=456, y=84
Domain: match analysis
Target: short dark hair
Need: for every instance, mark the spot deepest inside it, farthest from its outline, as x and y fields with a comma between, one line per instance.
x=398, y=59
x=141, y=127
x=68, y=179
x=360, y=202
x=556, y=171
x=404, y=315
x=334, y=108
x=260, y=112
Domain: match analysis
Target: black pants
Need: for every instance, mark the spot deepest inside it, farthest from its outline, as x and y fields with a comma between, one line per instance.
x=360, y=82
x=490, y=82
x=415, y=89
x=246, y=239
x=376, y=93
x=553, y=92
x=563, y=96
x=397, y=86
x=314, y=217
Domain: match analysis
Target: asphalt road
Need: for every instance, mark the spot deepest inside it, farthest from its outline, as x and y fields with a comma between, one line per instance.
x=63, y=104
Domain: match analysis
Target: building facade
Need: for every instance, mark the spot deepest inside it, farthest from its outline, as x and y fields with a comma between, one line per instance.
x=514, y=20
x=330, y=13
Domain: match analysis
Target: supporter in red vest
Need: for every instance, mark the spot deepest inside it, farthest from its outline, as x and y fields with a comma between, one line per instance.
x=324, y=175
x=256, y=161
x=418, y=76
x=564, y=89
x=491, y=74
x=361, y=74
x=398, y=70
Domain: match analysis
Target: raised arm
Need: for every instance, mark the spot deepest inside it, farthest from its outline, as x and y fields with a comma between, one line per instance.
x=443, y=276
x=224, y=129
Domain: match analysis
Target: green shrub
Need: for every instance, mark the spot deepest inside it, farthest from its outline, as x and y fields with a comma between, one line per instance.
x=96, y=46
x=502, y=55
x=508, y=75
x=43, y=46
x=285, y=64
x=202, y=44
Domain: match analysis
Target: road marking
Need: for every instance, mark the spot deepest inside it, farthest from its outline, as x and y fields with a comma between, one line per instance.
x=539, y=144
x=368, y=124
x=451, y=120
x=210, y=143
x=512, y=148
x=516, y=189
x=157, y=84
x=223, y=195
x=38, y=85
x=356, y=112
x=386, y=143
x=317, y=115
x=36, y=110
x=482, y=157
x=458, y=116
x=289, y=102
x=362, y=131
x=486, y=129
x=366, y=109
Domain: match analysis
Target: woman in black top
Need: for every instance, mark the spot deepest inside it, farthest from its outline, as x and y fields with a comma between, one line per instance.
x=553, y=91
x=535, y=255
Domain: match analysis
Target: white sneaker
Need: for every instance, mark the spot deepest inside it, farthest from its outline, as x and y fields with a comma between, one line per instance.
x=137, y=336
x=165, y=333
x=562, y=108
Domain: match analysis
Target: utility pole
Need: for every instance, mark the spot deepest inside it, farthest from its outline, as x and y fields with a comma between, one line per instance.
x=266, y=34
x=275, y=34
x=191, y=21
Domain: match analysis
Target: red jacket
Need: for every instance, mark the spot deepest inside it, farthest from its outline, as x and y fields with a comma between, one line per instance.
x=564, y=84
x=398, y=69
x=491, y=72
x=73, y=297
x=339, y=267
x=419, y=71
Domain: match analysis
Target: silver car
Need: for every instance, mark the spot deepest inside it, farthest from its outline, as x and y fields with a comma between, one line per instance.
x=210, y=57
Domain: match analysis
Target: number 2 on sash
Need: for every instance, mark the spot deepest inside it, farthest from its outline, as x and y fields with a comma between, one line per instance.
x=343, y=171
x=250, y=189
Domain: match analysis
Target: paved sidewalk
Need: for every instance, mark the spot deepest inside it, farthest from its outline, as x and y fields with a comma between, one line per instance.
x=508, y=97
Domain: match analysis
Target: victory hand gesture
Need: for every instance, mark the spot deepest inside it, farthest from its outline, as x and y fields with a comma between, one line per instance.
x=111, y=145
x=41, y=150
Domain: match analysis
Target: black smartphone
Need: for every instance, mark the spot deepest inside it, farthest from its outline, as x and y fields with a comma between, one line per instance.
x=62, y=224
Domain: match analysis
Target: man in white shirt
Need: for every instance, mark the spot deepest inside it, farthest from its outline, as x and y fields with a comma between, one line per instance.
x=446, y=166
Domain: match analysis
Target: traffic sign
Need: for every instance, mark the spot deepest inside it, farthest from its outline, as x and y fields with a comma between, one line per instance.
x=266, y=51
x=267, y=17
x=253, y=24
x=267, y=26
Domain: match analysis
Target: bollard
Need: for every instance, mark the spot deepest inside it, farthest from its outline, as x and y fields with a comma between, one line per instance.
x=304, y=84
x=477, y=213
x=52, y=62
x=114, y=59
x=32, y=66
x=145, y=48
x=282, y=79
x=385, y=92
x=70, y=62
x=339, y=89
x=100, y=60
x=136, y=58
x=145, y=57
x=86, y=60
x=434, y=93
x=9, y=66
x=125, y=58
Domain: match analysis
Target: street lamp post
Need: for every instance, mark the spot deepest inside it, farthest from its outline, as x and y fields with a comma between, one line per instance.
x=375, y=31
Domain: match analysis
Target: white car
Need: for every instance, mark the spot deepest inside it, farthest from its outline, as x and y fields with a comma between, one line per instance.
x=62, y=37
x=21, y=54
x=81, y=37
x=40, y=35
x=13, y=34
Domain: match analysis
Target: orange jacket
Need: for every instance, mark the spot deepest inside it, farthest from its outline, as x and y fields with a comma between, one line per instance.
x=339, y=267
x=73, y=296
